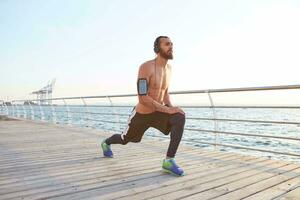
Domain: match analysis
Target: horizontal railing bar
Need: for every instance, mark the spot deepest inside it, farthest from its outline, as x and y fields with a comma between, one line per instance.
x=80, y=97
x=59, y=111
x=243, y=134
x=182, y=106
x=243, y=120
x=37, y=110
x=95, y=113
x=79, y=106
x=99, y=120
x=267, y=107
x=244, y=89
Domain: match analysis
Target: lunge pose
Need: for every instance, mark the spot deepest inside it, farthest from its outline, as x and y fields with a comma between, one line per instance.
x=154, y=108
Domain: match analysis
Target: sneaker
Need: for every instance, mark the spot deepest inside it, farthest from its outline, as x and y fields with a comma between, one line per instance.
x=106, y=150
x=170, y=166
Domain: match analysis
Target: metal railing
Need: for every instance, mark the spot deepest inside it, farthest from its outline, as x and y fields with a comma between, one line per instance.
x=36, y=111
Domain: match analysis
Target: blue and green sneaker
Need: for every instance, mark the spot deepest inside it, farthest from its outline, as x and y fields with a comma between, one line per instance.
x=170, y=166
x=106, y=150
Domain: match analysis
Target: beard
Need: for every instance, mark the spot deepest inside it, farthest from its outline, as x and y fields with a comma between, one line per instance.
x=167, y=55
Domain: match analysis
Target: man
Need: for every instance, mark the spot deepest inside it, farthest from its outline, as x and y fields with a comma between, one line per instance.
x=154, y=108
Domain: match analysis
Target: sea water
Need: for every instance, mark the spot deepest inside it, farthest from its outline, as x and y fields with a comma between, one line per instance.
x=114, y=120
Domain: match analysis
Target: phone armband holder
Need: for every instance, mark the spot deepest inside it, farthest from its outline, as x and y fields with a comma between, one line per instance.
x=142, y=86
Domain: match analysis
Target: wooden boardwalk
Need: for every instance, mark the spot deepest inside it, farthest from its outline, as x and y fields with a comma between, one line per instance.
x=47, y=161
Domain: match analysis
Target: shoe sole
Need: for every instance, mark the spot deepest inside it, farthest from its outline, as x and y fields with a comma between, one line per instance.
x=170, y=172
x=108, y=156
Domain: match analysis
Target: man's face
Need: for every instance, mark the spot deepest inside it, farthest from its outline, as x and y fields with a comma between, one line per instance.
x=166, y=48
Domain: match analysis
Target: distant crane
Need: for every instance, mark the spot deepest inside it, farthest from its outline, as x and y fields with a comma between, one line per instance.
x=44, y=95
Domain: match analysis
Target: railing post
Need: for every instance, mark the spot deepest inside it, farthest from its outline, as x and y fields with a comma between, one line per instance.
x=41, y=111
x=31, y=111
x=7, y=111
x=88, y=115
x=2, y=107
x=13, y=109
x=24, y=111
x=68, y=112
x=215, y=117
x=17, y=108
x=53, y=113
x=20, y=110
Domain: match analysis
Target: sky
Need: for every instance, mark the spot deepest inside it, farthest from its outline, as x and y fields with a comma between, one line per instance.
x=95, y=47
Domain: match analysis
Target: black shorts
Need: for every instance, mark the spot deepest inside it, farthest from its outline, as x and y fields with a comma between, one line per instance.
x=138, y=123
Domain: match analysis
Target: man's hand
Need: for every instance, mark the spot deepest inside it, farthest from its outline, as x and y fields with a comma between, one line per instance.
x=173, y=110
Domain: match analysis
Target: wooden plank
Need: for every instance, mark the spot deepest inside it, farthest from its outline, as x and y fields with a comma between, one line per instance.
x=41, y=160
x=123, y=155
x=90, y=166
x=116, y=187
x=237, y=182
x=129, y=172
x=291, y=195
x=144, y=161
x=179, y=188
x=277, y=191
x=264, y=184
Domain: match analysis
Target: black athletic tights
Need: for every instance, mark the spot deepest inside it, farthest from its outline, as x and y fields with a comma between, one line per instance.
x=176, y=121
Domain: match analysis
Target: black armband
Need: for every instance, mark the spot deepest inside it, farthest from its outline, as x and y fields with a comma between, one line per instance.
x=142, y=86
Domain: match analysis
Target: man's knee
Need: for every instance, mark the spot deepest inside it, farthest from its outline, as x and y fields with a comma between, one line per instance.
x=124, y=142
x=177, y=119
x=135, y=140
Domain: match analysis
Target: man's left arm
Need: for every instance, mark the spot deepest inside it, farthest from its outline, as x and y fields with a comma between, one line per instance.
x=167, y=100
